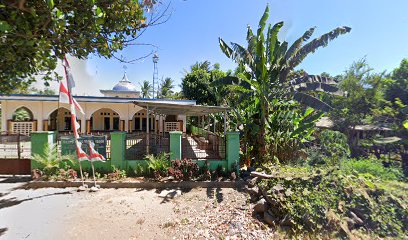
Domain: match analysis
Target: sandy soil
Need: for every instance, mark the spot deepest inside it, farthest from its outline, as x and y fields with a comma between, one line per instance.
x=127, y=214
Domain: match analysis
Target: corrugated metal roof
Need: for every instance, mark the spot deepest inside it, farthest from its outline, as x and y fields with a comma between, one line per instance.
x=177, y=109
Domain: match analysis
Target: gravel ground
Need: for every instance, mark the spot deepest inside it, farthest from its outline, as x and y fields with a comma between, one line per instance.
x=52, y=213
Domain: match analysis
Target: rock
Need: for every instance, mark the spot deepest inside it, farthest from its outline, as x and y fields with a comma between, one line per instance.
x=261, y=206
x=94, y=189
x=245, y=175
x=356, y=219
x=350, y=223
x=82, y=188
x=252, y=182
x=250, y=169
x=254, y=193
x=269, y=219
x=165, y=179
x=233, y=176
x=170, y=193
x=261, y=175
x=36, y=174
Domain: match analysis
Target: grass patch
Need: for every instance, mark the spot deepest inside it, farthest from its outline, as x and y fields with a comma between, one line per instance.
x=359, y=198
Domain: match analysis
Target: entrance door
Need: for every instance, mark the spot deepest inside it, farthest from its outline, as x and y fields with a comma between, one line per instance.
x=137, y=124
x=144, y=124
x=106, y=121
x=115, y=123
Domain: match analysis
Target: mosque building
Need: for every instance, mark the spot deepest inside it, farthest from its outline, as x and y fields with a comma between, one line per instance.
x=119, y=109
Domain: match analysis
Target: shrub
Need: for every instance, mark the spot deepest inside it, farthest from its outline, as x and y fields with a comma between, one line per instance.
x=370, y=168
x=116, y=174
x=52, y=165
x=158, y=164
x=318, y=200
x=331, y=147
x=184, y=169
x=141, y=171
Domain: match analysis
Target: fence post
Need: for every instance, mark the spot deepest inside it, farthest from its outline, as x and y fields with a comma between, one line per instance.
x=39, y=141
x=232, y=151
x=18, y=146
x=118, y=147
x=175, y=145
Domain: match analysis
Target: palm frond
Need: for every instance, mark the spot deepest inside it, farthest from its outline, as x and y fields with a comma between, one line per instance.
x=298, y=43
x=272, y=40
x=311, y=101
x=241, y=54
x=260, y=57
x=311, y=79
x=262, y=21
x=315, y=86
x=311, y=47
x=225, y=48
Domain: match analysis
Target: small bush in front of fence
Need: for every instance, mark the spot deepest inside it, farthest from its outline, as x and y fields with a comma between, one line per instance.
x=116, y=174
x=184, y=169
x=50, y=165
x=158, y=164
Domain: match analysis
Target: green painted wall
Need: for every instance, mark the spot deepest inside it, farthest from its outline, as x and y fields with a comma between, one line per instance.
x=233, y=148
x=118, y=148
x=100, y=167
x=175, y=145
x=39, y=140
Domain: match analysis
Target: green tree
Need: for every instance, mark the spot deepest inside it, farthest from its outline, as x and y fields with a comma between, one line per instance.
x=45, y=91
x=35, y=34
x=22, y=114
x=166, y=88
x=198, y=83
x=399, y=88
x=265, y=83
x=146, y=89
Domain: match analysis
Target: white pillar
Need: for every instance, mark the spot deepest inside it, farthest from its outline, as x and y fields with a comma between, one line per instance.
x=4, y=116
x=83, y=119
x=40, y=118
x=147, y=130
x=147, y=119
x=225, y=124
x=126, y=125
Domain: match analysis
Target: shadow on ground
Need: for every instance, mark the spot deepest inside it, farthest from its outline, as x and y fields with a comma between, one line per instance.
x=3, y=231
x=15, y=179
x=215, y=193
x=5, y=203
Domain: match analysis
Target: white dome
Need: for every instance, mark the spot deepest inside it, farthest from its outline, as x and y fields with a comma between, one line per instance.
x=124, y=85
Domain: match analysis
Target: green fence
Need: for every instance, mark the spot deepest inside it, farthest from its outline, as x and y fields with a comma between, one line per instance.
x=118, y=148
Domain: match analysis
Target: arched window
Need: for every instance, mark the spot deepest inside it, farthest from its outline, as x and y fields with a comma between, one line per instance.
x=22, y=114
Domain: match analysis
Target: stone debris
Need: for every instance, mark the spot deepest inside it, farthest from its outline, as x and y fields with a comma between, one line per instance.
x=228, y=218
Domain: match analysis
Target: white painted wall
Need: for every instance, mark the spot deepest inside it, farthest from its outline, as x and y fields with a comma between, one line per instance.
x=42, y=109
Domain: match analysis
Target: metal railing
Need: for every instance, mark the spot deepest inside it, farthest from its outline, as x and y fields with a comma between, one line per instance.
x=139, y=144
x=203, y=144
x=15, y=146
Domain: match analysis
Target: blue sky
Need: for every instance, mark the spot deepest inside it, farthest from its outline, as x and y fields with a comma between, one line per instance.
x=379, y=33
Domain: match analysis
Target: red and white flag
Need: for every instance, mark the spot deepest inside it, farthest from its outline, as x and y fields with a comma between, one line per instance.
x=82, y=156
x=93, y=154
x=63, y=93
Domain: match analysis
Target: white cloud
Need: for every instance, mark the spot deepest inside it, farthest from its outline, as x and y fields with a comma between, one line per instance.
x=85, y=81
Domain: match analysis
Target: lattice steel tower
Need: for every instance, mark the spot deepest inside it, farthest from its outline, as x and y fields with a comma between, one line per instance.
x=155, y=72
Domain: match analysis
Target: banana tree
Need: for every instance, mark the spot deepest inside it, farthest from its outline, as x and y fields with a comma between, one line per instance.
x=267, y=63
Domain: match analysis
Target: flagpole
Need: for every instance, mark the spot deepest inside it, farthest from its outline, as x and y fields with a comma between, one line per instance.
x=73, y=121
x=58, y=112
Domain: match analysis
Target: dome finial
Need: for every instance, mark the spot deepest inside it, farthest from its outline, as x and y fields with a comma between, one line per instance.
x=125, y=78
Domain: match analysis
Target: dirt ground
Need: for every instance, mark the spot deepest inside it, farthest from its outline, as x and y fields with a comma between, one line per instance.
x=52, y=213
